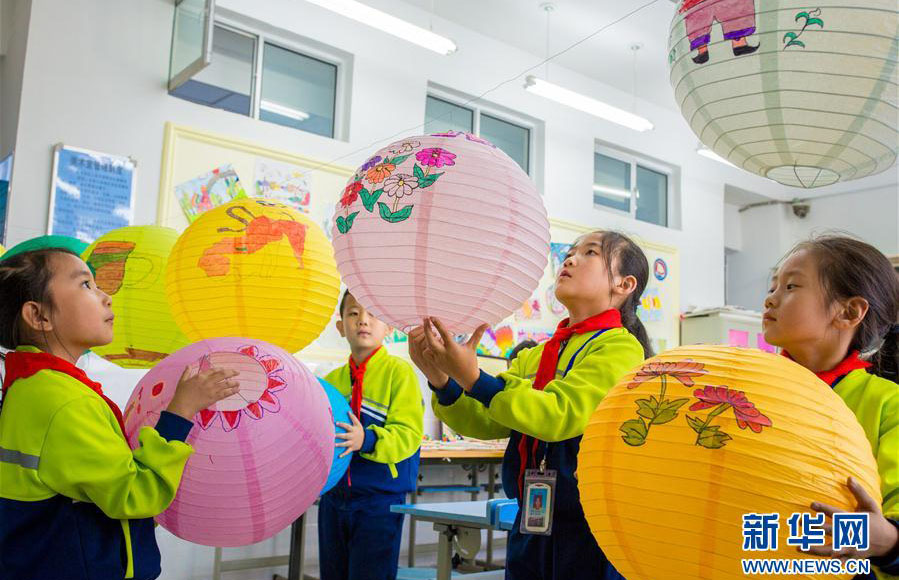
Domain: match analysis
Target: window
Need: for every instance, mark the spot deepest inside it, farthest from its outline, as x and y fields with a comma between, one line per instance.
x=513, y=138
x=442, y=116
x=298, y=91
x=509, y=137
x=638, y=188
x=291, y=88
x=227, y=82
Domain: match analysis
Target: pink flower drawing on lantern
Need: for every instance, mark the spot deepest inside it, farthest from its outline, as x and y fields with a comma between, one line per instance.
x=722, y=397
x=435, y=157
x=400, y=185
x=267, y=402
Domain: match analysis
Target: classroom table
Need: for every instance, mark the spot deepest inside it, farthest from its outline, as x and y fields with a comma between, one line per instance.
x=463, y=520
x=470, y=458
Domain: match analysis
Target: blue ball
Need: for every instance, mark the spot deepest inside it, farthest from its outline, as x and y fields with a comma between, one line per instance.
x=340, y=413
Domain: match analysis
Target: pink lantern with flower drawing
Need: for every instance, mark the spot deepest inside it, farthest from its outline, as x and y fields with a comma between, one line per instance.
x=444, y=225
x=261, y=457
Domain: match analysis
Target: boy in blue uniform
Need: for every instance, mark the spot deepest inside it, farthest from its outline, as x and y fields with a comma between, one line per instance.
x=359, y=538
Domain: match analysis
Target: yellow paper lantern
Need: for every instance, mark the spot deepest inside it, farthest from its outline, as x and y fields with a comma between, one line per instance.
x=129, y=264
x=697, y=437
x=253, y=268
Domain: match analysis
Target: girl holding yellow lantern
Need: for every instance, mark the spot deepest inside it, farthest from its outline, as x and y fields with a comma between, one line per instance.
x=832, y=298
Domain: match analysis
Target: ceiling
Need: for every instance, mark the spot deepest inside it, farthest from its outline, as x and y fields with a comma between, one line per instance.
x=607, y=57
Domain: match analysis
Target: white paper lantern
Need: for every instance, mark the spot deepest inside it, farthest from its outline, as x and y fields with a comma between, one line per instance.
x=804, y=94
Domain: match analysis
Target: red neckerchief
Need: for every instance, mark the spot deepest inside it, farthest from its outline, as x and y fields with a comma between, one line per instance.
x=21, y=365
x=848, y=364
x=357, y=376
x=549, y=363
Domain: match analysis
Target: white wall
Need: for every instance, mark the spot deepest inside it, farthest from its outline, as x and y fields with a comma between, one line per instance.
x=14, y=18
x=768, y=233
x=869, y=215
x=733, y=230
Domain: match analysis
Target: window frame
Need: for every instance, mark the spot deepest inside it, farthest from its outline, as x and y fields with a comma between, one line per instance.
x=633, y=161
x=477, y=108
x=308, y=49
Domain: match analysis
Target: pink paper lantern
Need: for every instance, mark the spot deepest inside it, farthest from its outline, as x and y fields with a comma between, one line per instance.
x=260, y=457
x=444, y=225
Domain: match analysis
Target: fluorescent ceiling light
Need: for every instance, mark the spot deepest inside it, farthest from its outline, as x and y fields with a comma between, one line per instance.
x=389, y=24
x=283, y=110
x=612, y=191
x=708, y=153
x=586, y=104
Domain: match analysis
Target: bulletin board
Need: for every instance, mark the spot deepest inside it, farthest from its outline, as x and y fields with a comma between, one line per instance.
x=91, y=193
x=221, y=168
x=541, y=313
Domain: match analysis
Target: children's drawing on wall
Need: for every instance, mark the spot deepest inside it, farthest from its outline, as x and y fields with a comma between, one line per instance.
x=650, y=308
x=209, y=190
x=557, y=253
x=283, y=182
x=538, y=335
x=396, y=337
x=530, y=310
x=497, y=341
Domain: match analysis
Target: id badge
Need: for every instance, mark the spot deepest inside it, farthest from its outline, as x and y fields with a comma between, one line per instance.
x=538, y=501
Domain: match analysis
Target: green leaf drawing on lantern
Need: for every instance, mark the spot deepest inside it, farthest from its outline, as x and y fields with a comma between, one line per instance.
x=394, y=216
x=634, y=432
x=369, y=199
x=345, y=223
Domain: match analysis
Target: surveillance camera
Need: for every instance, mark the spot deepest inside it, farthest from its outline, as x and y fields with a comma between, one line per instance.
x=801, y=210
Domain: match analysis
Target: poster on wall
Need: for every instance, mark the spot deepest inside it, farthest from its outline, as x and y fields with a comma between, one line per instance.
x=209, y=190
x=91, y=193
x=283, y=182
x=5, y=179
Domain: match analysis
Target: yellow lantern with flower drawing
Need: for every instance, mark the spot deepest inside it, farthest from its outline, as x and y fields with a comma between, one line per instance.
x=698, y=437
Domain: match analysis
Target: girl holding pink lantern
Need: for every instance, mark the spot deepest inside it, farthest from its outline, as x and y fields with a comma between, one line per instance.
x=75, y=501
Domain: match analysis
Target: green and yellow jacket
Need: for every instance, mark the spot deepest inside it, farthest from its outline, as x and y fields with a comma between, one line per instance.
x=76, y=503
x=393, y=417
x=508, y=406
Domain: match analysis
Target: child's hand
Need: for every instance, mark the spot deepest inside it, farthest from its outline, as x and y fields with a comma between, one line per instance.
x=457, y=360
x=193, y=394
x=354, y=436
x=882, y=535
x=417, y=348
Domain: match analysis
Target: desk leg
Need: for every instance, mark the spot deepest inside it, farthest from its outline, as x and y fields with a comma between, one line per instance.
x=297, y=549
x=444, y=551
x=413, y=500
x=491, y=476
x=217, y=565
